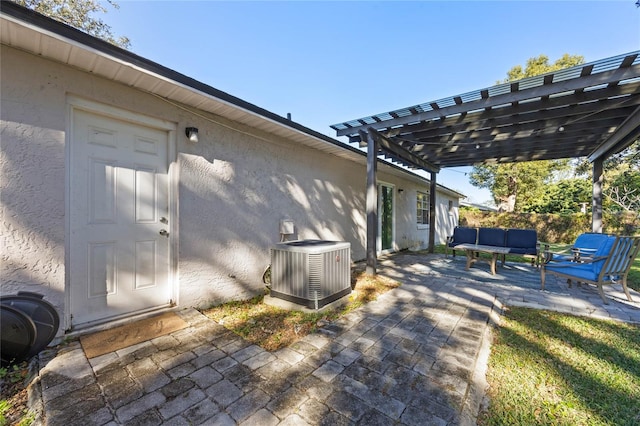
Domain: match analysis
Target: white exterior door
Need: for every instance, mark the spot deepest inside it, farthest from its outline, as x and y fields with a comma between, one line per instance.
x=118, y=218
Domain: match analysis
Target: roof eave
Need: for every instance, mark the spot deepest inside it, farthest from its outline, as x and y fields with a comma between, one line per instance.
x=23, y=29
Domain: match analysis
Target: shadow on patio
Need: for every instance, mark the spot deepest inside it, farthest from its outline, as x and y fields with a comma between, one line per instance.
x=417, y=355
x=515, y=284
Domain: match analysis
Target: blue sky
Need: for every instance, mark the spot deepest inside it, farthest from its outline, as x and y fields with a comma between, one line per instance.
x=330, y=62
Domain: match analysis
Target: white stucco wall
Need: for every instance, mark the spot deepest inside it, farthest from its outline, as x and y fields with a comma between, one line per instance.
x=32, y=178
x=234, y=187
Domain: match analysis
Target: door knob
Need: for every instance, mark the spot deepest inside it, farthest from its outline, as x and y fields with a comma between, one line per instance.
x=164, y=233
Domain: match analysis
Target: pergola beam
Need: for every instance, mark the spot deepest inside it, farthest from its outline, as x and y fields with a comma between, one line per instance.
x=402, y=153
x=596, y=206
x=516, y=131
x=371, y=204
x=577, y=115
x=579, y=144
x=581, y=103
x=629, y=130
x=603, y=78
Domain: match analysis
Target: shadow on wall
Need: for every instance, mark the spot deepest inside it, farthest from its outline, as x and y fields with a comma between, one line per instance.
x=33, y=210
x=232, y=198
x=230, y=218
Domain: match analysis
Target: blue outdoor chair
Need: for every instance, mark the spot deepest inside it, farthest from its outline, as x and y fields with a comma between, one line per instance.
x=609, y=264
x=585, y=246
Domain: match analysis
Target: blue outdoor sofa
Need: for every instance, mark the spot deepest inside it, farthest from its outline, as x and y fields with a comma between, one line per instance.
x=523, y=242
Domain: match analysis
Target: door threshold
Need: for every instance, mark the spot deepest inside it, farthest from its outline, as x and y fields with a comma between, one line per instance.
x=105, y=324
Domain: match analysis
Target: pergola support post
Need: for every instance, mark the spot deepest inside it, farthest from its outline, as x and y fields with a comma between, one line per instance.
x=432, y=212
x=598, y=179
x=371, y=202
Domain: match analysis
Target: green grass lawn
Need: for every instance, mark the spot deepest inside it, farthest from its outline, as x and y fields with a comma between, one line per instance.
x=549, y=368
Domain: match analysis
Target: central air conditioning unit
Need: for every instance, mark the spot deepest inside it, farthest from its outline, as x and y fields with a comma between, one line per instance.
x=311, y=273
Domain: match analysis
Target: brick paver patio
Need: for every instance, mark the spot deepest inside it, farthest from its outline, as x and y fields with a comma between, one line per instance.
x=416, y=356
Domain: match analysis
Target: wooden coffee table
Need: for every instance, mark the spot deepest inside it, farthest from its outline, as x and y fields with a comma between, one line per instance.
x=472, y=250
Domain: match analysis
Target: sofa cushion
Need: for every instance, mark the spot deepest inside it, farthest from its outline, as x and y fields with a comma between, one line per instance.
x=590, y=241
x=491, y=237
x=587, y=244
x=578, y=270
x=603, y=251
x=523, y=250
x=463, y=235
x=522, y=241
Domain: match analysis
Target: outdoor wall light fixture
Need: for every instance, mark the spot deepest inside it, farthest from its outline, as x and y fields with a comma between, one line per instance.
x=400, y=191
x=192, y=134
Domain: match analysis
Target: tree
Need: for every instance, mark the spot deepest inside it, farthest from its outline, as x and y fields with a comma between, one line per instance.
x=622, y=180
x=505, y=181
x=79, y=14
x=540, y=65
x=564, y=196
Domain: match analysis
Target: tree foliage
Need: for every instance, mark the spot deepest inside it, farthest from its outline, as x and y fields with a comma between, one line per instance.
x=79, y=14
x=519, y=186
x=564, y=196
x=622, y=180
x=540, y=65
x=516, y=186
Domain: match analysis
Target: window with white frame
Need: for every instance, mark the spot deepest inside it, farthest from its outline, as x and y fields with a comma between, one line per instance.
x=423, y=208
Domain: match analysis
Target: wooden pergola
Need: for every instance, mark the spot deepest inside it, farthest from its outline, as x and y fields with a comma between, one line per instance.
x=591, y=110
